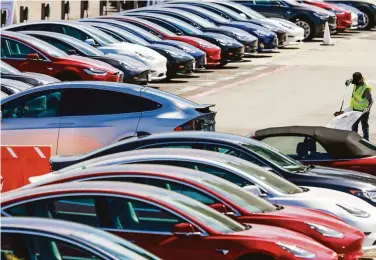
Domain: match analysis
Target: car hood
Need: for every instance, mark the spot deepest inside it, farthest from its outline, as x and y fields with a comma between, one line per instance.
x=45, y=79
x=275, y=27
x=227, y=29
x=217, y=36
x=249, y=25
x=91, y=62
x=316, y=9
x=283, y=24
x=131, y=48
x=196, y=39
x=344, y=174
x=166, y=51
x=126, y=59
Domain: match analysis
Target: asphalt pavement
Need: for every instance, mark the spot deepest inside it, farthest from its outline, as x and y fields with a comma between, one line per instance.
x=299, y=85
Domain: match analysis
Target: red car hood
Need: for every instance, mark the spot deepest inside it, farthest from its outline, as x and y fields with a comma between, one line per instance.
x=325, y=6
x=191, y=38
x=90, y=63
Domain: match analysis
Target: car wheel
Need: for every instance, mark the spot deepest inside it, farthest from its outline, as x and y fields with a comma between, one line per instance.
x=68, y=76
x=309, y=32
x=368, y=20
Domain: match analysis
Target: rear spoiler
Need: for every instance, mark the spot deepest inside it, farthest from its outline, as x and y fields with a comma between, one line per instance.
x=204, y=108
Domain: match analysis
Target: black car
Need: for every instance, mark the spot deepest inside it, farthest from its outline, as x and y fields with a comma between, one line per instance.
x=244, y=148
x=368, y=8
x=231, y=50
x=134, y=71
x=11, y=86
x=249, y=41
x=178, y=61
x=34, y=79
x=311, y=18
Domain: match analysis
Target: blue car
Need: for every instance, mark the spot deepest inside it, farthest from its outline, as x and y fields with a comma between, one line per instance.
x=312, y=19
x=178, y=61
x=267, y=39
x=249, y=41
x=230, y=15
x=231, y=49
x=198, y=54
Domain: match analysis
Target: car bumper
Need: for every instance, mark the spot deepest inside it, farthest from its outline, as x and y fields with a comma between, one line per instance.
x=320, y=28
x=282, y=39
x=201, y=62
x=343, y=24
x=141, y=78
x=158, y=71
x=250, y=46
x=184, y=67
x=268, y=44
x=232, y=54
x=213, y=57
x=296, y=35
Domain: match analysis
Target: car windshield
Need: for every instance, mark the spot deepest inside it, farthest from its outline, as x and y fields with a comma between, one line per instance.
x=197, y=19
x=44, y=46
x=241, y=197
x=124, y=34
x=204, y=214
x=247, y=11
x=187, y=28
x=273, y=180
x=100, y=36
x=368, y=144
x=7, y=69
x=210, y=15
x=83, y=47
x=230, y=13
x=141, y=32
x=274, y=156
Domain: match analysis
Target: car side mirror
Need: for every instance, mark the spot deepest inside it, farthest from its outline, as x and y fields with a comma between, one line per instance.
x=90, y=42
x=178, y=33
x=33, y=56
x=72, y=52
x=243, y=15
x=222, y=208
x=185, y=229
x=253, y=189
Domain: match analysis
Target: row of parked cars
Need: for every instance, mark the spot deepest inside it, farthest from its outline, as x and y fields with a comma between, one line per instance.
x=139, y=173
x=178, y=37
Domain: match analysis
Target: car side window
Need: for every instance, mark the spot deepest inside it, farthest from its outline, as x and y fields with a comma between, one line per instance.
x=166, y=25
x=182, y=189
x=87, y=102
x=148, y=29
x=58, y=44
x=15, y=50
x=298, y=147
x=39, y=104
x=114, y=35
x=31, y=246
x=136, y=215
x=75, y=33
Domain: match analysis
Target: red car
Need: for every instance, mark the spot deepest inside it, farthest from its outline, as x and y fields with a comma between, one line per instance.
x=344, y=18
x=213, y=52
x=323, y=146
x=168, y=224
x=229, y=199
x=28, y=53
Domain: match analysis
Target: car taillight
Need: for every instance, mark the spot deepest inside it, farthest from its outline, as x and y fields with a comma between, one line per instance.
x=193, y=125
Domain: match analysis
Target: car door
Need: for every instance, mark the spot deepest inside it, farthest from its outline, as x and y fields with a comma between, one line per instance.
x=16, y=54
x=33, y=119
x=93, y=118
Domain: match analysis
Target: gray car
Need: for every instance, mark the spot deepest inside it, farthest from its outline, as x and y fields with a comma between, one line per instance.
x=79, y=117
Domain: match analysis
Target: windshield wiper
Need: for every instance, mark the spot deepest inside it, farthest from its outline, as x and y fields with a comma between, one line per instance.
x=247, y=226
x=278, y=207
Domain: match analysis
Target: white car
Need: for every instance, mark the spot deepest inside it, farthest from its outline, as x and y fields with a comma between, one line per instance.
x=255, y=179
x=107, y=44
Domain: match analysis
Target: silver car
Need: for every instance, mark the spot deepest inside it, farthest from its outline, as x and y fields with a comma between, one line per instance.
x=79, y=117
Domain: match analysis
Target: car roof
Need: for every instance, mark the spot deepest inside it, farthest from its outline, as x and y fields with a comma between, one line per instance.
x=339, y=143
x=64, y=22
x=15, y=84
x=114, y=86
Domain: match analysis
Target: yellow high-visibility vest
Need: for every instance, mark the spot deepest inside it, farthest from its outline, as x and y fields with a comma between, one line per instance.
x=357, y=100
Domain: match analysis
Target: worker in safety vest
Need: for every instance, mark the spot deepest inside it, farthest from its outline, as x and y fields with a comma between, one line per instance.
x=362, y=101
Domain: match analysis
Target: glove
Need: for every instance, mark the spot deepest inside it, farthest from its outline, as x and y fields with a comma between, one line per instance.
x=348, y=82
x=338, y=113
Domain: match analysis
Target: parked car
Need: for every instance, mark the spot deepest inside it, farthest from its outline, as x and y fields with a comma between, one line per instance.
x=166, y=223
x=41, y=238
x=11, y=86
x=231, y=49
x=360, y=14
x=34, y=79
x=134, y=71
x=344, y=17
x=76, y=118
x=322, y=146
x=235, y=17
x=228, y=199
x=178, y=61
x=199, y=55
x=351, y=209
x=213, y=52
x=267, y=40
x=249, y=41
x=312, y=19
x=105, y=43
x=28, y=53
x=355, y=183
x=367, y=7
x=294, y=32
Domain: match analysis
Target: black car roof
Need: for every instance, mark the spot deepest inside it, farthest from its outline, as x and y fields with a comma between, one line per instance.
x=339, y=143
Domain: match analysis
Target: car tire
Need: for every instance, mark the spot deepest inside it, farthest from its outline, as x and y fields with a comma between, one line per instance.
x=370, y=19
x=68, y=76
x=309, y=29
x=256, y=257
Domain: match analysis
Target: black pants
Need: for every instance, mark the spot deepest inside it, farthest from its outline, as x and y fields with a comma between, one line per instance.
x=365, y=126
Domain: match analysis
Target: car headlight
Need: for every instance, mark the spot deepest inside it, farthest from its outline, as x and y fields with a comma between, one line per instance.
x=354, y=211
x=222, y=42
x=145, y=56
x=325, y=231
x=261, y=33
x=173, y=54
x=365, y=194
x=129, y=65
x=297, y=251
x=92, y=71
x=321, y=16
